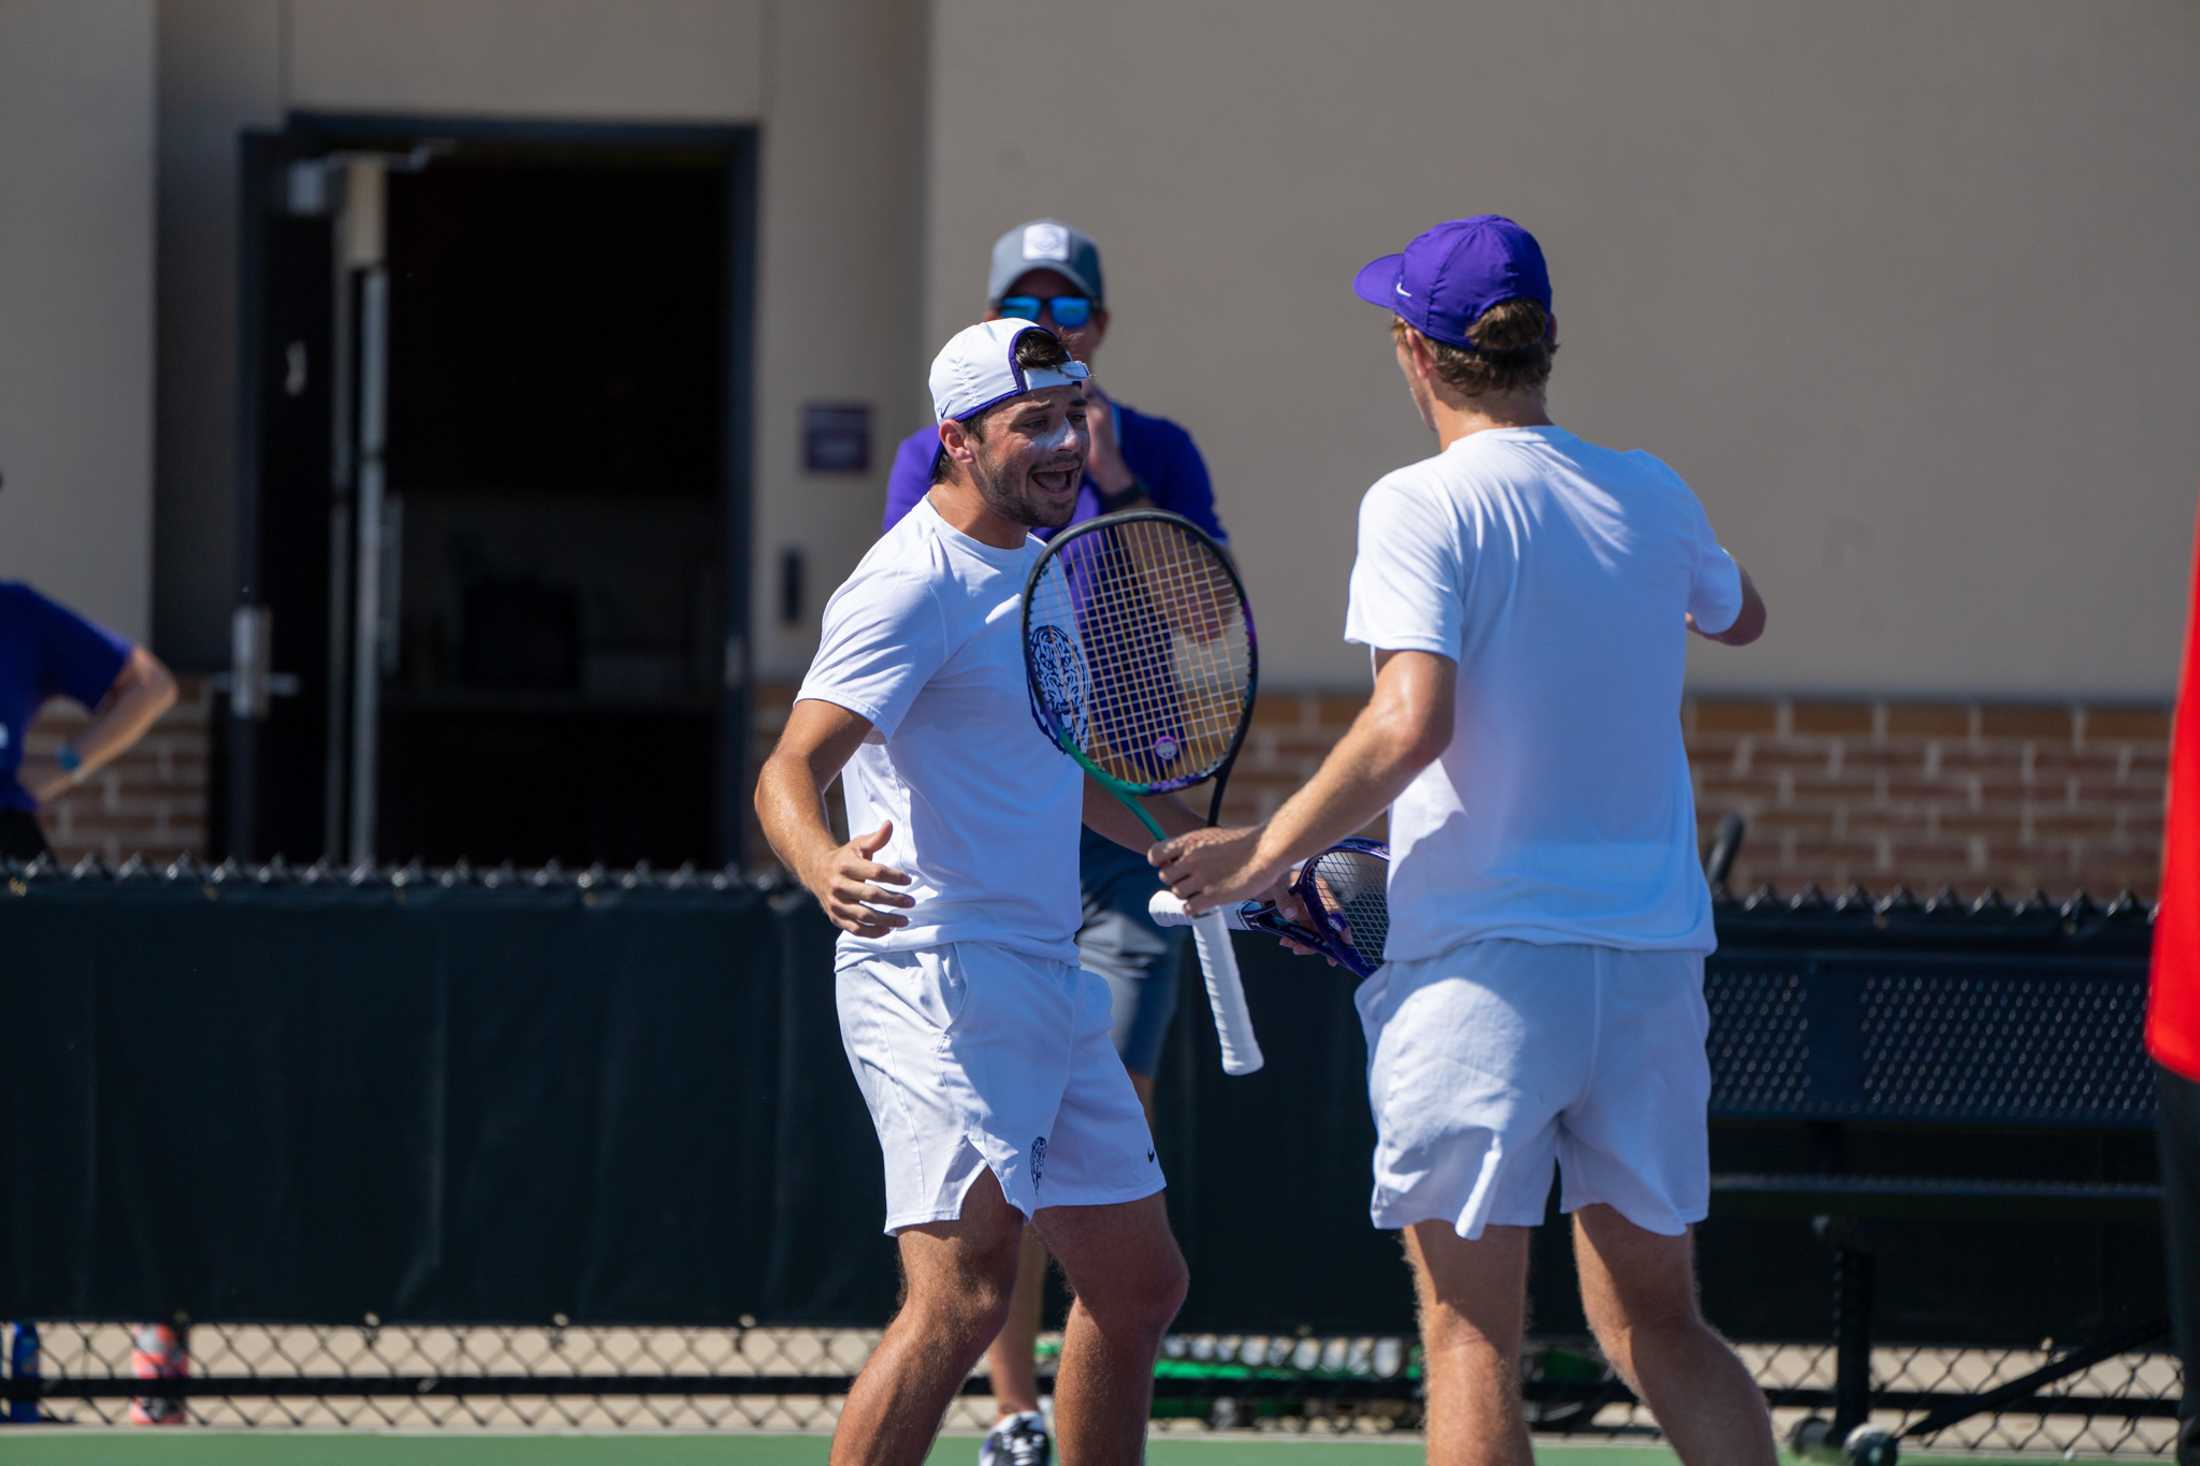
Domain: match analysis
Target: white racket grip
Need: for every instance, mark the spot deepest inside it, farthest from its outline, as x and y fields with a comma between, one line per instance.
x=1167, y=909
x=1226, y=994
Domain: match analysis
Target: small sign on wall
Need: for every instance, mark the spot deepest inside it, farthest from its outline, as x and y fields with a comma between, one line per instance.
x=836, y=437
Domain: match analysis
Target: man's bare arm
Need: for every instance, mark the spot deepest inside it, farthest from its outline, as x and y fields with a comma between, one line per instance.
x=816, y=744
x=1402, y=730
x=1748, y=626
x=1105, y=815
x=140, y=693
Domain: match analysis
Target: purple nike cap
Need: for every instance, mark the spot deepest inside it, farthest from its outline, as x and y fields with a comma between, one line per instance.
x=1445, y=279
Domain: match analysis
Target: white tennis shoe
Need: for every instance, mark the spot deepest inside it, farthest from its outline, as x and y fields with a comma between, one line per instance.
x=1020, y=1440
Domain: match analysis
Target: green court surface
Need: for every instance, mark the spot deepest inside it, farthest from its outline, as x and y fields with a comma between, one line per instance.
x=92, y=1447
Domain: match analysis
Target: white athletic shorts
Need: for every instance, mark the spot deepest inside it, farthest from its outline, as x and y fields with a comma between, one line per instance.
x=974, y=1058
x=1498, y=1060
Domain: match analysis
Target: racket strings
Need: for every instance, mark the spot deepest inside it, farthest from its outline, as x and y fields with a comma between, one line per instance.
x=1160, y=588
x=1167, y=650
x=1350, y=889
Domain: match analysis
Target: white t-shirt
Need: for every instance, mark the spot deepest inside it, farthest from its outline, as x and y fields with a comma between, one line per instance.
x=1555, y=573
x=924, y=642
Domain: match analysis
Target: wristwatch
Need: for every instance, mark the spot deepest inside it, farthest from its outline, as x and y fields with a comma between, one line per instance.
x=69, y=760
x=1122, y=498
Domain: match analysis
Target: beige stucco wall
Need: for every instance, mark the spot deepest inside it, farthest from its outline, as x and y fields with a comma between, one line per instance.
x=1907, y=291
x=220, y=72
x=839, y=311
x=656, y=59
x=76, y=304
x=835, y=87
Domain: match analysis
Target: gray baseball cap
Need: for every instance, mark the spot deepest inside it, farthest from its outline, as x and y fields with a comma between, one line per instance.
x=1045, y=244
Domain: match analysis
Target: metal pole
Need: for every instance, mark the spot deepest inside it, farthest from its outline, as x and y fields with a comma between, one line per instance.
x=374, y=317
x=1854, y=1273
x=343, y=503
x=249, y=640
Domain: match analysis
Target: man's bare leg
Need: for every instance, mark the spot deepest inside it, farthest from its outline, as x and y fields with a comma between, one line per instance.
x=1010, y=1362
x=1129, y=1279
x=1473, y=1300
x=1639, y=1290
x=958, y=1276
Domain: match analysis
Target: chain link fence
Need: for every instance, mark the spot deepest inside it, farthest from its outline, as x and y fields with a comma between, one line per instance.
x=2116, y=1400
x=747, y=1378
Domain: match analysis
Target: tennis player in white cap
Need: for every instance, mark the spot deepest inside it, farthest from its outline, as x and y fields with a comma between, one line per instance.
x=980, y=1045
x=1048, y=271
x=1527, y=597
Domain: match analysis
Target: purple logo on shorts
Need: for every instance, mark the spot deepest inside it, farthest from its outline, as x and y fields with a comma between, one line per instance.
x=1038, y=1159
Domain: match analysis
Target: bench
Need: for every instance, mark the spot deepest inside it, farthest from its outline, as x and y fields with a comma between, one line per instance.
x=1853, y=1018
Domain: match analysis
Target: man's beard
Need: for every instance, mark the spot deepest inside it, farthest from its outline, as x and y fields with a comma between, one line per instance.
x=1016, y=501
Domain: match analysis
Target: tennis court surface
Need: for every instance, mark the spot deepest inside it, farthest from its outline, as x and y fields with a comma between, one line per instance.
x=294, y=1448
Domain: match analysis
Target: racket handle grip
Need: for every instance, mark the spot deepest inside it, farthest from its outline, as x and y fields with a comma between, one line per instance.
x=1167, y=909
x=1226, y=994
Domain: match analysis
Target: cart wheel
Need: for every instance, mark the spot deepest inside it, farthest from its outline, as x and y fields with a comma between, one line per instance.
x=1868, y=1445
x=1810, y=1434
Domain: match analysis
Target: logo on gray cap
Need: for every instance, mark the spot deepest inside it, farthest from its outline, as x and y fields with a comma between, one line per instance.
x=1046, y=242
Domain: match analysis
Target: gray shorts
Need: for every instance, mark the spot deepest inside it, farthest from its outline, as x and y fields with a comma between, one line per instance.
x=1120, y=943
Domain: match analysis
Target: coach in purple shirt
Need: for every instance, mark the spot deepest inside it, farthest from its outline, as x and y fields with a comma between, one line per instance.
x=48, y=651
x=1050, y=273
x=1047, y=272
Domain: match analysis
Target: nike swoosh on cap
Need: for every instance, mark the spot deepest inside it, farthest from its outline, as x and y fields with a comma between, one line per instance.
x=1401, y=289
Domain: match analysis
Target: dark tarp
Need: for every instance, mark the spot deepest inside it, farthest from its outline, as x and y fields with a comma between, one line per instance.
x=312, y=1103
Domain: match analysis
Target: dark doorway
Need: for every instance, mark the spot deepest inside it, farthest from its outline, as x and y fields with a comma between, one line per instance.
x=556, y=459
x=558, y=323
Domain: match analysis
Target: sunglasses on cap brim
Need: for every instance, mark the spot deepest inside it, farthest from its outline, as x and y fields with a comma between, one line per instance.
x=1067, y=312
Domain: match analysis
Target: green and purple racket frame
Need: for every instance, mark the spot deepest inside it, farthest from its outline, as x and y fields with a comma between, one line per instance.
x=1141, y=664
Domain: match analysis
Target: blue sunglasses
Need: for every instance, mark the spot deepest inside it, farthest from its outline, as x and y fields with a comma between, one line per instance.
x=1068, y=312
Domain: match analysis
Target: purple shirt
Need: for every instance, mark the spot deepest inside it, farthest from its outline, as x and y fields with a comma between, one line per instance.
x=46, y=651
x=1157, y=450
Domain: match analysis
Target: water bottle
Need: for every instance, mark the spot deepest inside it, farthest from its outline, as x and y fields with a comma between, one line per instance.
x=23, y=1365
x=157, y=1353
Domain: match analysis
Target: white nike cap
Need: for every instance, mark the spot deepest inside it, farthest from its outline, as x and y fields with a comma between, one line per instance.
x=977, y=369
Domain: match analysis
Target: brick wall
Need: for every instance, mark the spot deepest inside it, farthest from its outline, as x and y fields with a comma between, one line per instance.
x=151, y=801
x=2015, y=796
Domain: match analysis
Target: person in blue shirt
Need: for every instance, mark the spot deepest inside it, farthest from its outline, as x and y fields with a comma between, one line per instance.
x=48, y=651
x=1048, y=272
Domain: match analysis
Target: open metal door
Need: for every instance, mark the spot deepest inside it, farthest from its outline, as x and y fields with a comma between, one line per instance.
x=281, y=712
x=311, y=628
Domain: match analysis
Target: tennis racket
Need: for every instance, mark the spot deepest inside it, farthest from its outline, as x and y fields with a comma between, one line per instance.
x=1345, y=892
x=1138, y=648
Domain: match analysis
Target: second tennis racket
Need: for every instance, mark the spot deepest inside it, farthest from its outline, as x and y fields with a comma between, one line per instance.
x=1139, y=652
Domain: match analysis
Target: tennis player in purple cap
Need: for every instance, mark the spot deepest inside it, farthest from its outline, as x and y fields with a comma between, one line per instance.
x=1527, y=599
